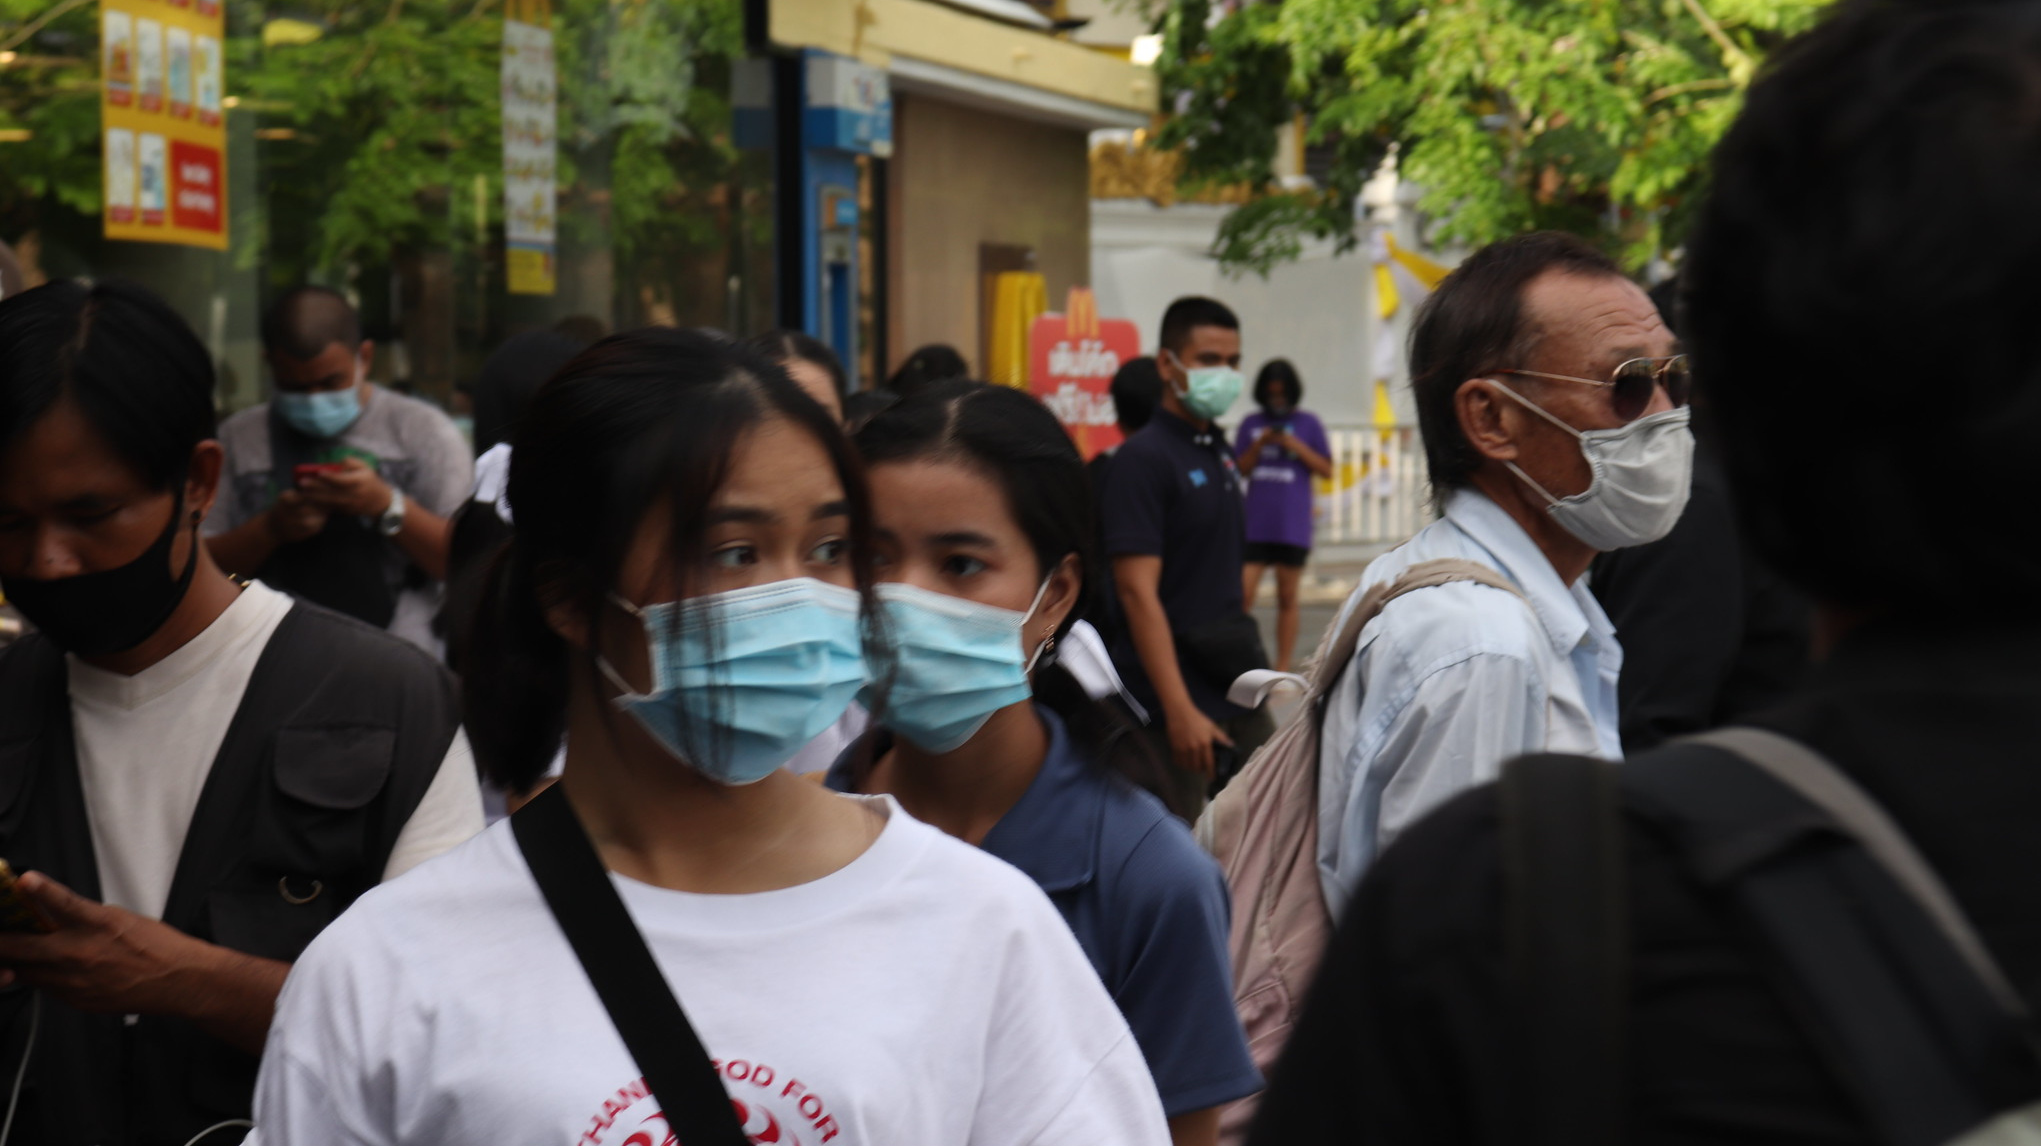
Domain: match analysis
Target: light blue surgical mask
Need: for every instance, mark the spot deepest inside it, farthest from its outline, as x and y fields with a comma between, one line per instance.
x=958, y=662
x=787, y=661
x=321, y=413
x=1210, y=391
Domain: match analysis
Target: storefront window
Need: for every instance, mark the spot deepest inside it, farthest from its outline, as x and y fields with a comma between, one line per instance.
x=365, y=152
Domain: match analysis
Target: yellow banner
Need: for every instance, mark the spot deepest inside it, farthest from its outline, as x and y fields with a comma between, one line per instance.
x=1018, y=297
x=162, y=114
x=1423, y=269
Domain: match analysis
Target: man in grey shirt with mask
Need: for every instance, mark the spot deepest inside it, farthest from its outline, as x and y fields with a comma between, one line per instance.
x=337, y=490
x=1553, y=409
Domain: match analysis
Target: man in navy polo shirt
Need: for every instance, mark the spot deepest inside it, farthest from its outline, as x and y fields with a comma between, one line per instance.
x=1174, y=528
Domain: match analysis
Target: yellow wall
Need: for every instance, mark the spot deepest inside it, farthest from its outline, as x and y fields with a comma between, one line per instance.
x=963, y=177
x=875, y=30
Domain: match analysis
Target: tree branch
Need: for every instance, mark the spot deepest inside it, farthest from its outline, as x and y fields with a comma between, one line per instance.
x=1732, y=55
x=22, y=34
x=1671, y=90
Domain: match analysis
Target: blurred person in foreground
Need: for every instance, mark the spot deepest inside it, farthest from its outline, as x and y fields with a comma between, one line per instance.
x=337, y=490
x=1872, y=148
x=11, y=279
x=196, y=776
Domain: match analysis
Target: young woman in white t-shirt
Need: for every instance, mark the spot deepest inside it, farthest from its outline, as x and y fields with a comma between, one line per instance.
x=857, y=977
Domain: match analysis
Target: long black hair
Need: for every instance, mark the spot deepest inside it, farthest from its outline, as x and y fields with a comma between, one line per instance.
x=638, y=420
x=1017, y=443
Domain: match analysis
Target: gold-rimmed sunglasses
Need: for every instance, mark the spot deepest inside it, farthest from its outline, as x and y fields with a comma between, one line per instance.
x=1632, y=383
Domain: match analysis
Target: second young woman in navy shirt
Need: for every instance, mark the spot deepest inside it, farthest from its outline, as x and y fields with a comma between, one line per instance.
x=985, y=543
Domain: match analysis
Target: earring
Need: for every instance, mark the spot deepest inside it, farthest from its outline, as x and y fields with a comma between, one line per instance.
x=1043, y=653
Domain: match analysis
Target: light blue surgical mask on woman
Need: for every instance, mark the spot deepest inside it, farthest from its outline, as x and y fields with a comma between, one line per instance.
x=320, y=413
x=958, y=662
x=787, y=661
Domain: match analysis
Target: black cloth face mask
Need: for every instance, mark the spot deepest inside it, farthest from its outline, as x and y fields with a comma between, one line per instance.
x=113, y=610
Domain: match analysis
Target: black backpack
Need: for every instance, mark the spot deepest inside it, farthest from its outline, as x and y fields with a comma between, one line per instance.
x=1913, y=1015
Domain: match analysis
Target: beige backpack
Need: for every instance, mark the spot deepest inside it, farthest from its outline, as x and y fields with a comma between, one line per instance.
x=1263, y=829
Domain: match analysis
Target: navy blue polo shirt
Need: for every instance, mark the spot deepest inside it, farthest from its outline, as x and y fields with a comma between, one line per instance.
x=1173, y=492
x=1148, y=906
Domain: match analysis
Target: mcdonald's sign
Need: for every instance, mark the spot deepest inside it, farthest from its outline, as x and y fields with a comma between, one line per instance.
x=1072, y=358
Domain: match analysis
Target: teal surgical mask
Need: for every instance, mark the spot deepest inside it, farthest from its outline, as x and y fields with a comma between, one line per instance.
x=1209, y=391
x=321, y=413
x=787, y=660
x=958, y=663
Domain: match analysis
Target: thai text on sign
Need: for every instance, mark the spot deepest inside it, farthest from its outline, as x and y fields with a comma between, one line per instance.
x=1072, y=358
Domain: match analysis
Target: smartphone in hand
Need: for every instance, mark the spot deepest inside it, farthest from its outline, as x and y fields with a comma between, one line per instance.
x=304, y=472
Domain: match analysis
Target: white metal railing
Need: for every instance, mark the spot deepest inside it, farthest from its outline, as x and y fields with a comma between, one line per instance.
x=1379, y=490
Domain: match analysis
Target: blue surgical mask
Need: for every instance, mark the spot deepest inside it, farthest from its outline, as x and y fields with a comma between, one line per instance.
x=958, y=663
x=787, y=660
x=1210, y=391
x=321, y=413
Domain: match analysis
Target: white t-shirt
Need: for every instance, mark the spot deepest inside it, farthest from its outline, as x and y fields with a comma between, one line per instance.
x=925, y=994
x=146, y=744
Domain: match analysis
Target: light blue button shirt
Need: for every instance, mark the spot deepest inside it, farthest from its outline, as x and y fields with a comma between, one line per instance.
x=1451, y=681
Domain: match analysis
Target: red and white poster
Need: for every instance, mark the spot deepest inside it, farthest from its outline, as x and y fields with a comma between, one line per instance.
x=1072, y=358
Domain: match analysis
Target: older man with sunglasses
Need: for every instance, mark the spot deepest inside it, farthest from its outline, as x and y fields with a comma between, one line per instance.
x=1553, y=409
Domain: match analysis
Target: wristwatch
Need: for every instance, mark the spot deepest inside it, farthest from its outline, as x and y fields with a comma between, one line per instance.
x=392, y=519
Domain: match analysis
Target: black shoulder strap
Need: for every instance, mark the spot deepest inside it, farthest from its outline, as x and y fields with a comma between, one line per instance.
x=1926, y=1045
x=613, y=953
x=1566, y=942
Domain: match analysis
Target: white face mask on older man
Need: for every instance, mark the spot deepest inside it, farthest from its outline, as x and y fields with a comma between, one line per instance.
x=1642, y=471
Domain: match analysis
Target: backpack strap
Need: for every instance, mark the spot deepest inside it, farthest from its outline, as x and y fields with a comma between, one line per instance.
x=1802, y=769
x=1336, y=648
x=1852, y=925
x=1331, y=661
x=624, y=973
x=1566, y=948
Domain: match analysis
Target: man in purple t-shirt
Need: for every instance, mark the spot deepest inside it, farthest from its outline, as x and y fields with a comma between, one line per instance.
x=1281, y=448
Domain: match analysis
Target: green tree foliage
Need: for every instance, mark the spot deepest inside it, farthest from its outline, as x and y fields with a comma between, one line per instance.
x=376, y=123
x=49, y=89
x=370, y=127
x=395, y=114
x=1594, y=116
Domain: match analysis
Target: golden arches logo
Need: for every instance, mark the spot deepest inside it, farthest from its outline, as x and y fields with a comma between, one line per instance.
x=1080, y=313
